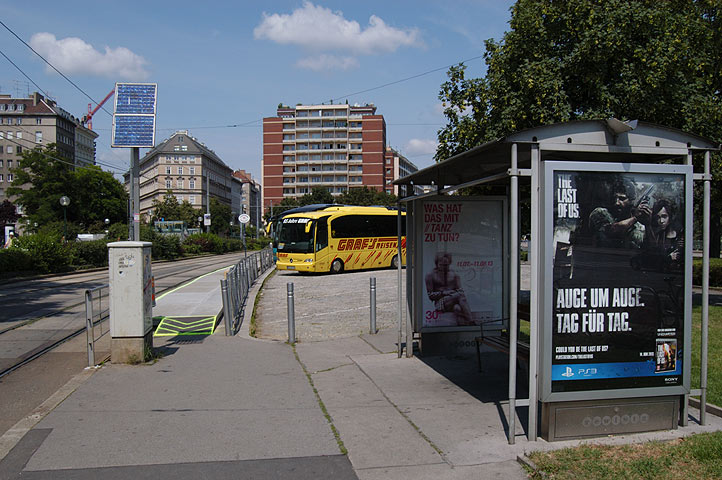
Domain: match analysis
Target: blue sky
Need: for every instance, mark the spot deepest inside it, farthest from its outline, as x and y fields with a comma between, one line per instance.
x=231, y=63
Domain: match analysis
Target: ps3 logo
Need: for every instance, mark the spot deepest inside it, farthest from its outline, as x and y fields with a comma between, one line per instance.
x=568, y=373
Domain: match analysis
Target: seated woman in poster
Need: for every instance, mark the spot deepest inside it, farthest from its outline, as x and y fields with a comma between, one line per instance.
x=443, y=287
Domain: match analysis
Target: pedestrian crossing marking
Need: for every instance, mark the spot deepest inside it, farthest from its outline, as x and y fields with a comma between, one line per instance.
x=185, y=325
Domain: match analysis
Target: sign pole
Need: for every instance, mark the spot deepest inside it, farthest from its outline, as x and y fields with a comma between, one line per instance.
x=135, y=179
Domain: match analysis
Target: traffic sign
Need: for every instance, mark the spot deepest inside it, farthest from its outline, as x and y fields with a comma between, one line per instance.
x=244, y=218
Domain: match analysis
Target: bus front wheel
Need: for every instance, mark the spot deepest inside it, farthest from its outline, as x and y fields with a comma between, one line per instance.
x=336, y=266
x=395, y=262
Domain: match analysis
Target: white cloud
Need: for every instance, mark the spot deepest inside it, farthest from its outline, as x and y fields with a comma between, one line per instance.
x=72, y=55
x=328, y=62
x=420, y=146
x=317, y=28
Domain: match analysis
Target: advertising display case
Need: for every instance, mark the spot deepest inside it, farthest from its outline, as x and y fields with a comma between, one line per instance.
x=617, y=306
x=462, y=262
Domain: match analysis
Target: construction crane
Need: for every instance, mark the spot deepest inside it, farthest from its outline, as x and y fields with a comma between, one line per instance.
x=91, y=111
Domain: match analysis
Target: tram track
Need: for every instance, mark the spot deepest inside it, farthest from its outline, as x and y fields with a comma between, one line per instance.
x=44, y=348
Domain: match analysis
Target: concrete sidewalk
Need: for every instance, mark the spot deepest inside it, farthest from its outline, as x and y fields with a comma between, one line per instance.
x=237, y=407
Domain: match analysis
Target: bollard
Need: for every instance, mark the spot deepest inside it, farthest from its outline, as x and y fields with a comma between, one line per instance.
x=291, y=315
x=227, y=306
x=89, y=332
x=372, y=293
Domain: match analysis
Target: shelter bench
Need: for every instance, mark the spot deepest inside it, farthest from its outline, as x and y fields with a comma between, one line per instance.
x=497, y=337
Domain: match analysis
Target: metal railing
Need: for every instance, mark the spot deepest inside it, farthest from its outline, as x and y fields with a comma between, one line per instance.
x=97, y=311
x=237, y=283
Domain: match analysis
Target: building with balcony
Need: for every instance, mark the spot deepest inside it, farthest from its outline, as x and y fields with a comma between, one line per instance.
x=188, y=169
x=337, y=147
x=26, y=123
x=396, y=166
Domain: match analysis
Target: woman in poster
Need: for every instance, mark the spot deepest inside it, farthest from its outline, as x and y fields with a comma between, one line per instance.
x=443, y=287
x=663, y=236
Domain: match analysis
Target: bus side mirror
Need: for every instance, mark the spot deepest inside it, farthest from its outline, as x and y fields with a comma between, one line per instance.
x=308, y=227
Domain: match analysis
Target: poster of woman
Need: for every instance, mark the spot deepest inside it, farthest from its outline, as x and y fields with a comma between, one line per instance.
x=462, y=262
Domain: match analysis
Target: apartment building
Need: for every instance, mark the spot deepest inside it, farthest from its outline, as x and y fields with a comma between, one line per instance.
x=396, y=166
x=26, y=123
x=185, y=167
x=336, y=147
x=247, y=197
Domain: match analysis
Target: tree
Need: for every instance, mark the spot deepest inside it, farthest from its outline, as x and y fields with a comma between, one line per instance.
x=317, y=195
x=94, y=194
x=366, y=196
x=8, y=213
x=220, y=217
x=657, y=61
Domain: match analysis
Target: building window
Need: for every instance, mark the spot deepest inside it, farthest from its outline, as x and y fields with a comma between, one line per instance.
x=9, y=149
x=10, y=164
x=180, y=138
x=176, y=148
x=1, y=177
x=10, y=135
x=184, y=148
x=192, y=170
x=19, y=121
x=179, y=183
x=19, y=149
x=19, y=135
x=38, y=121
x=167, y=170
x=38, y=137
x=180, y=170
x=191, y=184
x=10, y=177
x=167, y=185
x=191, y=199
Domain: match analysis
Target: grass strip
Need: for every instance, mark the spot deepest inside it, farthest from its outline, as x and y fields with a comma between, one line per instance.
x=694, y=457
x=253, y=327
x=341, y=446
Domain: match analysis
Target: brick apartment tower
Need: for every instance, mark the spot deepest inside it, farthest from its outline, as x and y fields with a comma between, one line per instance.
x=336, y=147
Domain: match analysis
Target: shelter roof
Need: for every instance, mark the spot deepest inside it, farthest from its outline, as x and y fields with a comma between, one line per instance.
x=582, y=140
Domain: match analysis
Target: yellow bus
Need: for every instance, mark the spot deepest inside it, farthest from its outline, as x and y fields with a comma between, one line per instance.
x=340, y=238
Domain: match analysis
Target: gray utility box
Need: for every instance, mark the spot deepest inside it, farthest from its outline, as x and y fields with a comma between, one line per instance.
x=597, y=418
x=131, y=301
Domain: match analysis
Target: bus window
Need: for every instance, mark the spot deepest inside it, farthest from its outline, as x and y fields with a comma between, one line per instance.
x=296, y=235
x=322, y=233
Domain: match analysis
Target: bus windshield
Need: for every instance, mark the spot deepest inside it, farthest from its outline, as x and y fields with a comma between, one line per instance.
x=296, y=235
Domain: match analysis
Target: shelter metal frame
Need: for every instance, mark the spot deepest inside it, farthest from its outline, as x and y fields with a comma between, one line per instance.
x=522, y=154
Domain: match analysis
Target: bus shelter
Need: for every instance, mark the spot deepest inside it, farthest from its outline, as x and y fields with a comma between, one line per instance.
x=610, y=299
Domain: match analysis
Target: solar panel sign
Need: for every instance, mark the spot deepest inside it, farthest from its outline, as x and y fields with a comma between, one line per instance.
x=134, y=115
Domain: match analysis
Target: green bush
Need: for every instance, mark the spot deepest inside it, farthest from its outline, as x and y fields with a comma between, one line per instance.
x=58, y=229
x=191, y=249
x=208, y=242
x=715, y=272
x=47, y=252
x=94, y=254
x=166, y=247
x=15, y=260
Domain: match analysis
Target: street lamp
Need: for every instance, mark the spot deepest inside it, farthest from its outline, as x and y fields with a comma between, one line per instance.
x=107, y=222
x=65, y=201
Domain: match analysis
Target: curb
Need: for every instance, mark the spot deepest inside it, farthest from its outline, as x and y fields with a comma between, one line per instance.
x=10, y=438
x=713, y=409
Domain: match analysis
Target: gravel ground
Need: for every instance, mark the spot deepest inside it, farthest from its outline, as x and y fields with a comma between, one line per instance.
x=327, y=306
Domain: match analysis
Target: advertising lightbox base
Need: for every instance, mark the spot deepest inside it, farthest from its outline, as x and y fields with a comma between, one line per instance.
x=598, y=418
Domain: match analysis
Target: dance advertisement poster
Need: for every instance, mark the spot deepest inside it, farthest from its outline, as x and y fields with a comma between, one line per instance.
x=618, y=296
x=462, y=250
